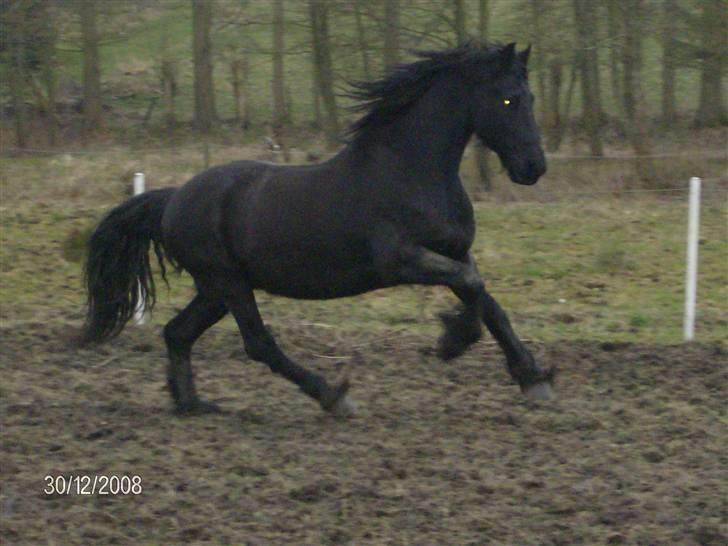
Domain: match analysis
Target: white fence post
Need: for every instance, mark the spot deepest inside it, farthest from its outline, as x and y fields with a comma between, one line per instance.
x=139, y=314
x=691, y=272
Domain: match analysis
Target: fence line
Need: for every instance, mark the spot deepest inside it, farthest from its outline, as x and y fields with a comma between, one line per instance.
x=559, y=200
x=713, y=155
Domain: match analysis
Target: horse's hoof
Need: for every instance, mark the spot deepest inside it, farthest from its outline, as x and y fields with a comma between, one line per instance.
x=445, y=351
x=343, y=408
x=197, y=407
x=337, y=403
x=539, y=391
x=460, y=333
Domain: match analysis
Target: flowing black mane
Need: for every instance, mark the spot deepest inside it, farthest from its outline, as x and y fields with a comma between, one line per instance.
x=383, y=100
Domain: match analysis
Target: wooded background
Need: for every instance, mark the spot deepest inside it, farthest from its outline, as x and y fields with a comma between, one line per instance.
x=602, y=70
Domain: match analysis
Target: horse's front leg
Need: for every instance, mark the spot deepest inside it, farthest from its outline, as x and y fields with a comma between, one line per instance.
x=419, y=265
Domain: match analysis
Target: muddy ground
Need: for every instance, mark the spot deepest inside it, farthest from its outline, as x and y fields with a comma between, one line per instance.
x=632, y=452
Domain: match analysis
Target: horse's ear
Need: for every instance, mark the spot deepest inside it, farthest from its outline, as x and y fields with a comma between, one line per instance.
x=507, y=56
x=523, y=55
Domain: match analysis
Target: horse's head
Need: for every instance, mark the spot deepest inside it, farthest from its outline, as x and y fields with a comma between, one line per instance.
x=502, y=109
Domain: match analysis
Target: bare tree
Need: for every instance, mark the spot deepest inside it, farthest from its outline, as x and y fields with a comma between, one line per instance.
x=49, y=77
x=614, y=31
x=14, y=16
x=483, y=18
x=632, y=12
x=713, y=47
x=537, y=12
x=482, y=162
x=668, y=30
x=584, y=19
x=552, y=116
x=239, y=82
x=92, y=108
x=323, y=68
x=458, y=7
x=362, y=39
x=205, y=114
x=280, y=116
x=391, y=32
x=168, y=72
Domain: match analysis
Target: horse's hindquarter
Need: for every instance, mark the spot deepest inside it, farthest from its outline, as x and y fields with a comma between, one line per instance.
x=193, y=224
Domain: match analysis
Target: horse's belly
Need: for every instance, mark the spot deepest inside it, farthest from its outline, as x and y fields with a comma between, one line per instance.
x=312, y=274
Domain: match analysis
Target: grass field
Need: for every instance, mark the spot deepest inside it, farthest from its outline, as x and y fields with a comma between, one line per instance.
x=587, y=267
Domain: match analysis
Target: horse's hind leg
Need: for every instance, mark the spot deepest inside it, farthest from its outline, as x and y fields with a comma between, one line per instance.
x=260, y=346
x=180, y=333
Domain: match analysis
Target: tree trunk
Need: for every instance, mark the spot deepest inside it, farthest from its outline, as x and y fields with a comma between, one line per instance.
x=483, y=19
x=589, y=105
x=537, y=9
x=615, y=50
x=362, y=39
x=169, y=90
x=92, y=107
x=205, y=114
x=48, y=60
x=280, y=117
x=669, y=14
x=482, y=155
x=391, y=32
x=458, y=7
x=238, y=73
x=169, y=84
x=637, y=123
x=17, y=36
x=593, y=59
x=323, y=68
x=316, y=96
x=711, y=109
x=554, y=127
x=570, y=92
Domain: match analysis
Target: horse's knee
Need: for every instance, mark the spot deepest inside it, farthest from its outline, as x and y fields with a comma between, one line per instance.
x=174, y=337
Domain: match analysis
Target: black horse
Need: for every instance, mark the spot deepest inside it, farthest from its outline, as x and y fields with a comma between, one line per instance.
x=388, y=209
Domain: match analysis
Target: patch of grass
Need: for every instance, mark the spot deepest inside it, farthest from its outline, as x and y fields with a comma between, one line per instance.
x=638, y=321
x=75, y=245
x=612, y=258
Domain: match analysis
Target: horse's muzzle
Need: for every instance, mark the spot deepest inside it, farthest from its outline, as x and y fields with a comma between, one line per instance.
x=528, y=171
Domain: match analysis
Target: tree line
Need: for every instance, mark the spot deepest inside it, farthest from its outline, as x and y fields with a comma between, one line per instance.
x=588, y=68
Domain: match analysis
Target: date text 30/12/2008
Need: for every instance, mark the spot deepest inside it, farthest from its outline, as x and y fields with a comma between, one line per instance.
x=92, y=485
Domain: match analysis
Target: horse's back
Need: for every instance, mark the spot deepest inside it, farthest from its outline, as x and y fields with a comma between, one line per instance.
x=291, y=230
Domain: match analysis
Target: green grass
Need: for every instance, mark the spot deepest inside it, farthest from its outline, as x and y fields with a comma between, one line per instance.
x=606, y=270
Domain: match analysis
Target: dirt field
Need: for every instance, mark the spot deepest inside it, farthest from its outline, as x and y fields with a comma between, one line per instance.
x=633, y=452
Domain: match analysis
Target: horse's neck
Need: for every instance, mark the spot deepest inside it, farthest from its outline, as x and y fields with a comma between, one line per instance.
x=425, y=145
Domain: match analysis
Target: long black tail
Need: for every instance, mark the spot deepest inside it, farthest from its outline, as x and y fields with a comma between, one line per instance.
x=118, y=270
